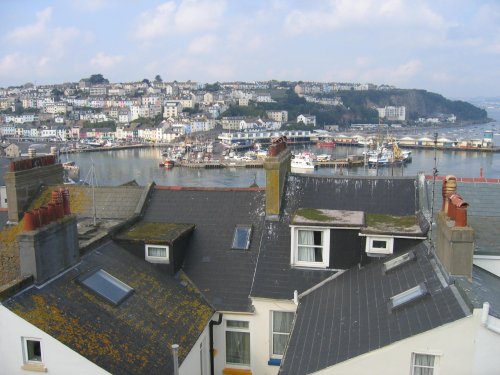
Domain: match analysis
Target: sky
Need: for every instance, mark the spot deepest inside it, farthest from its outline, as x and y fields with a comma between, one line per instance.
x=451, y=47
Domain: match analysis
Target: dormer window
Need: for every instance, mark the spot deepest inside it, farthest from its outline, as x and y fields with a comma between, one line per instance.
x=311, y=247
x=379, y=245
x=157, y=254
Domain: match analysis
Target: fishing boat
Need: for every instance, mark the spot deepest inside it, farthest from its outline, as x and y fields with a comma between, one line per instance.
x=326, y=142
x=71, y=170
x=167, y=163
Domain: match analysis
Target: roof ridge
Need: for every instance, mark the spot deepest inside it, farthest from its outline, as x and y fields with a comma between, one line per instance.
x=207, y=188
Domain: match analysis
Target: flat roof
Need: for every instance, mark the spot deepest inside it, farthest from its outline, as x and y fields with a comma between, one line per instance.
x=329, y=218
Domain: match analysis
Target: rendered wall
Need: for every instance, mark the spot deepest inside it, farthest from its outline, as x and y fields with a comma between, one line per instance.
x=57, y=358
x=193, y=362
x=47, y=251
x=22, y=186
x=464, y=347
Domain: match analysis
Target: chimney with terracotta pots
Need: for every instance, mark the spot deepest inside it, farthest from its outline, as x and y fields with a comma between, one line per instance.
x=455, y=239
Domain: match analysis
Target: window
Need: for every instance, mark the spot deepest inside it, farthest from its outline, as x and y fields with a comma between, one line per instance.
x=311, y=247
x=399, y=261
x=408, y=296
x=32, y=350
x=379, y=245
x=237, y=342
x=157, y=254
x=241, y=237
x=106, y=286
x=423, y=364
x=281, y=327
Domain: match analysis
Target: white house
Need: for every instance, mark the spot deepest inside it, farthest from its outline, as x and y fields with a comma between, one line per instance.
x=307, y=119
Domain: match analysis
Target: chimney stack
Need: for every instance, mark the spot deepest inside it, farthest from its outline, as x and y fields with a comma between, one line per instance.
x=277, y=164
x=455, y=240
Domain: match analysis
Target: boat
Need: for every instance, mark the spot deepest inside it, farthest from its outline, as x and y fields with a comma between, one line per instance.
x=326, y=142
x=71, y=170
x=168, y=163
x=303, y=163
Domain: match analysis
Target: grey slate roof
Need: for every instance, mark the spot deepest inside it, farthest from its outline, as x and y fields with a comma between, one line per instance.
x=483, y=213
x=223, y=275
x=131, y=338
x=349, y=316
x=274, y=277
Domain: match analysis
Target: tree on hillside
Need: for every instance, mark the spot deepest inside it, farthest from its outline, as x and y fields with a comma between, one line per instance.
x=158, y=78
x=97, y=79
x=146, y=81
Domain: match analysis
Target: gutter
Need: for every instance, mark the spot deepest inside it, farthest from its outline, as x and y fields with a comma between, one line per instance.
x=211, y=334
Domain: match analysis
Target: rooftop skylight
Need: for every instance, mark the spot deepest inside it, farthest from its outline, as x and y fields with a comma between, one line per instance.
x=399, y=261
x=241, y=238
x=408, y=296
x=106, y=286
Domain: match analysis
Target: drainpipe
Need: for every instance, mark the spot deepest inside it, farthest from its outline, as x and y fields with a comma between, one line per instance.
x=211, y=334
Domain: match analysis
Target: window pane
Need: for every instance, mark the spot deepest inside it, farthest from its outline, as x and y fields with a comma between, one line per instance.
x=107, y=286
x=423, y=364
x=318, y=238
x=237, y=324
x=238, y=347
x=157, y=252
x=241, y=239
x=377, y=244
x=34, y=350
x=279, y=342
x=282, y=321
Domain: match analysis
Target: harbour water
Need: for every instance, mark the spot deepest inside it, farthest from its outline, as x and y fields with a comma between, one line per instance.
x=142, y=165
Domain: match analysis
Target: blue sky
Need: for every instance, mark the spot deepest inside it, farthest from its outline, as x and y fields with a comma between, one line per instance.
x=448, y=46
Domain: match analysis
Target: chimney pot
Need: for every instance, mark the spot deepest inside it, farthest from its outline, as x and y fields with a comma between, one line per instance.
x=29, y=221
x=461, y=217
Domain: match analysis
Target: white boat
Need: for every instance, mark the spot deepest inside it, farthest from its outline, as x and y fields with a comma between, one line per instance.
x=302, y=163
x=71, y=170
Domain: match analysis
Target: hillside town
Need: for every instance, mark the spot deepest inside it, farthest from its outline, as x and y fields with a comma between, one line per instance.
x=160, y=112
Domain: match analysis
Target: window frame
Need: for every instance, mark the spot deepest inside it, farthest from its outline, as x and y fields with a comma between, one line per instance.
x=239, y=330
x=26, y=359
x=156, y=259
x=387, y=250
x=415, y=366
x=325, y=239
x=271, y=341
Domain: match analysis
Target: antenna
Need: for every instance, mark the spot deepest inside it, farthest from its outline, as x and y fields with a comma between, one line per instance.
x=91, y=179
x=434, y=175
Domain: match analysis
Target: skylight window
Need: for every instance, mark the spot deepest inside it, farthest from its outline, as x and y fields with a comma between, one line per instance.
x=107, y=286
x=399, y=261
x=241, y=238
x=408, y=296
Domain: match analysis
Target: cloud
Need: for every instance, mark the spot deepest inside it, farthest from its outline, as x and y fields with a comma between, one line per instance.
x=36, y=30
x=90, y=5
x=336, y=14
x=10, y=63
x=155, y=23
x=202, y=45
x=190, y=16
x=103, y=61
x=195, y=15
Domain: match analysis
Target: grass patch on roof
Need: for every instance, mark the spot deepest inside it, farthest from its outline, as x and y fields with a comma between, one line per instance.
x=157, y=231
x=398, y=222
x=313, y=214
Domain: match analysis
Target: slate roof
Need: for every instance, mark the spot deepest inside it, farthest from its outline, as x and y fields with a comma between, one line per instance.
x=349, y=316
x=131, y=338
x=483, y=213
x=4, y=217
x=274, y=277
x=223, y=275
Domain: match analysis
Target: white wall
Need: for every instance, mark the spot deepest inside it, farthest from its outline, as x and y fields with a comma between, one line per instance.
x=3, y=197
x=262, y=332
x=260, y=335
x=199, y=353
x=57, y=358
x=464, y=347
x=489, y=263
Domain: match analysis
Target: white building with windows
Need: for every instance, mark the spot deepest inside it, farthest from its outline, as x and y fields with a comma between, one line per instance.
x=307, y=119
x=392, y=113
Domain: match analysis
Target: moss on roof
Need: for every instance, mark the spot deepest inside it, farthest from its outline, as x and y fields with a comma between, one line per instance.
x=390, y=223
x=313, y=214
x=154, y=231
